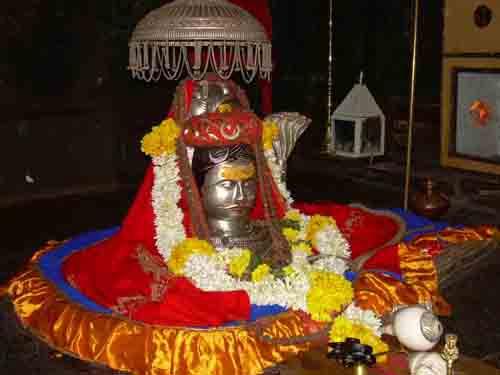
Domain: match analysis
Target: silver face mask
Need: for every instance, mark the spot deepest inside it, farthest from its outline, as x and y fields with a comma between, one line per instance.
x=208, y=96
x=226, y=198
x=228, y=192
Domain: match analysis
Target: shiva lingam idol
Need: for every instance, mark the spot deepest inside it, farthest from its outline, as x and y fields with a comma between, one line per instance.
x=227, y=180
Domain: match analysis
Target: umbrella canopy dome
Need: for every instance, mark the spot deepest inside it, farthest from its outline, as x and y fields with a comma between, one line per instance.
x=199, y=20
x=198, y=36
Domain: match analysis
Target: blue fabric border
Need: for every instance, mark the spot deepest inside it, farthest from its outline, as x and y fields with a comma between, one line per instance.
x=417, y=224
x=50, y=265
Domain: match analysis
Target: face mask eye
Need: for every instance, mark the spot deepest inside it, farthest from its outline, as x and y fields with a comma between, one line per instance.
x=226, y=184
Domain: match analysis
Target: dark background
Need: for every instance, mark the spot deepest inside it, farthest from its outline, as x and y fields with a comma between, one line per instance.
x=72, y=117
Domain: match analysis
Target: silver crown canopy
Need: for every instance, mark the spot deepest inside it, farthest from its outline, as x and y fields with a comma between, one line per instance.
x=199, y=36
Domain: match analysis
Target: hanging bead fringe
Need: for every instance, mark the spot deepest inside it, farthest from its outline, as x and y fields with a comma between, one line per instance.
x=152, y=61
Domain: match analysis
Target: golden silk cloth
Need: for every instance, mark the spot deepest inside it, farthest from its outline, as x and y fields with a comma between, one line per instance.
x=140, y=348
x=381, y=292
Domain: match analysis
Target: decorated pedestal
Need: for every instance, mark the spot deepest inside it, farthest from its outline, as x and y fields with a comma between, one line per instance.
x=167, y=294
x=55, y=313
x=67, y=321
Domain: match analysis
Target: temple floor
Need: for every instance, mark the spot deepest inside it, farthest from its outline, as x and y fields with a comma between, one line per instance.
x=26, y=227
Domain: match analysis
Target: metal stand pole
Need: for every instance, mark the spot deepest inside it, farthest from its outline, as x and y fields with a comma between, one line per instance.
x=412, y=102
x=328, y=135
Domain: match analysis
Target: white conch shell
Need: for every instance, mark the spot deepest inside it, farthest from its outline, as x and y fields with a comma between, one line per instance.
x=291, y=126
x=417, y=328
x=427, y=363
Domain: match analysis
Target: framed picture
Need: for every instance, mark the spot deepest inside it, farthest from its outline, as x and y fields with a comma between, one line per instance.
x=470, y=114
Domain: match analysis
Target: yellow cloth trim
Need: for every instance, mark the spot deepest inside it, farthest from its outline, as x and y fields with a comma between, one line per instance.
x=381, y=292
x=141, y=348
x=455, y=235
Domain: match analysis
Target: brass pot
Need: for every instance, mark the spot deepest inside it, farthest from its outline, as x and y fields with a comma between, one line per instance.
x=428, y=201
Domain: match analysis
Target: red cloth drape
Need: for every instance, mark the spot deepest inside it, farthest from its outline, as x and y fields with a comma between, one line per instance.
x=110, y=274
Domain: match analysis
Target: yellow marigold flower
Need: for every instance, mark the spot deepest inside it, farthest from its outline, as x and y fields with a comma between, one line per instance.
x=328, y=293
x=290, y=234
x=293, y=215
x=270, y=131
x=378, y=346
x=162, y=139
x=342, y=328
x=302, y=246
x=260, y=273
x=225, y=108
x=181, y=253
x=316, y=224
x=238, y=265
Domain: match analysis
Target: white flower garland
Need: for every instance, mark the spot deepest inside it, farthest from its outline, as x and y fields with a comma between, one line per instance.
x=210, y=273
x=330, y=241
x=331, y=264
x=165, y=196
x=366, y=318
x=333, y=248
x=170, y=231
